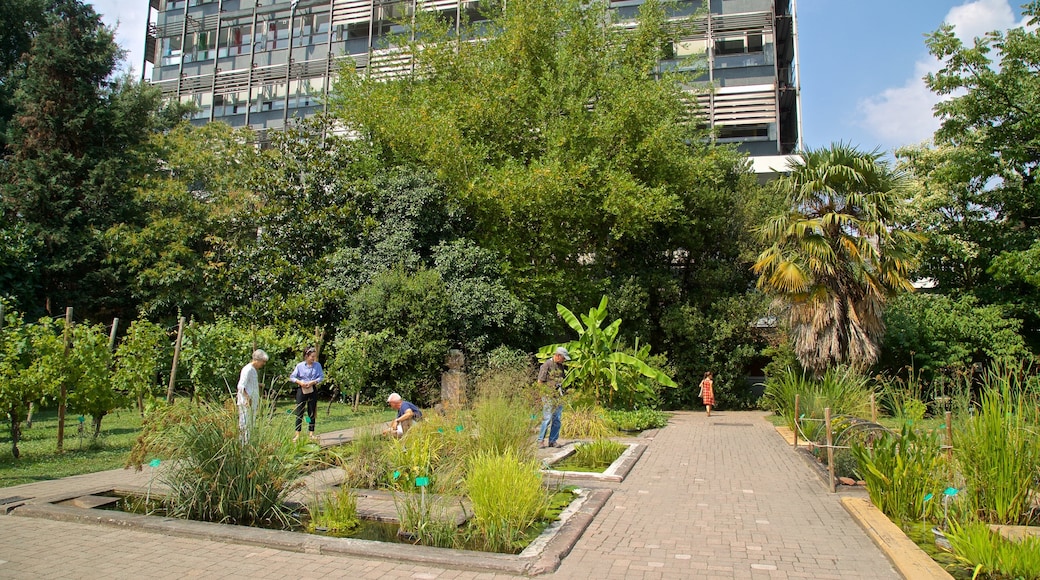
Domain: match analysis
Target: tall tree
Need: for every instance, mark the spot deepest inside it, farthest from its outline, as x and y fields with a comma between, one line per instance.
x=985, y=166
x=70, y=155
x=836, y=254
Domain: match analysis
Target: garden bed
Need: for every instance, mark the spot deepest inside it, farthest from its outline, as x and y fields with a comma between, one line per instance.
x=614, y=473
x=542, y=555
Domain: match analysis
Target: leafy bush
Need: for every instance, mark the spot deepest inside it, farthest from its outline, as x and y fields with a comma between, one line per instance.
x=638, y=420
x=979, y=546
x=88, y=376
x=901, y=471
x=998, y=451
x=507, y=496
x=139, y=360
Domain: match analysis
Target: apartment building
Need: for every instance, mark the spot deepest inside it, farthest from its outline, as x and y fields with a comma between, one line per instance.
x=260, y=63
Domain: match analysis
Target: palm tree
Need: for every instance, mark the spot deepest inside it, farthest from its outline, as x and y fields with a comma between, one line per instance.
x=835, y=255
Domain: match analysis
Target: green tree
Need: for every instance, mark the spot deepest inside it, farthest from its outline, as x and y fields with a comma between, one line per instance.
x=70, y=154
x=990, y=135
x=89, y=373
x=836, y=254
x=31, y=368
x=139, y=360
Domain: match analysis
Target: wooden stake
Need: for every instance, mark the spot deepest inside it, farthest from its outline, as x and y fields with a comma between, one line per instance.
x=949, y=435
x=112, y=336
x=176, y=356
x=830, y=448
x=873, y=408
x=797, y=399
x=63, y=395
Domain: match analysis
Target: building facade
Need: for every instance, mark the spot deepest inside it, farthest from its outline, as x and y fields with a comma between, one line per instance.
x=260, y=63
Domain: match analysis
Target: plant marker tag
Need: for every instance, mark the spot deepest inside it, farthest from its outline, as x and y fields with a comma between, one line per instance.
x=82, y=418
x=458, y=428
x=928, y=497
x=422, y=481
x=533, y=416
x=950, y=491
x=154, y=463
x=440, y=429
x=802, y=416
x=308, y=419
x=397, y=474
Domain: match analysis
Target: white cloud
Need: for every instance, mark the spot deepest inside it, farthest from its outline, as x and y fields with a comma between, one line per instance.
x=903, y=115
x=129, y=19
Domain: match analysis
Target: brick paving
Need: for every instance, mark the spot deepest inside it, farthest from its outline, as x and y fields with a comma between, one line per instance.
x=719, y=497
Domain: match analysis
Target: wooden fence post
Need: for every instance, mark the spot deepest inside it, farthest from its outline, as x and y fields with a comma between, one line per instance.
x=63, y=395
x=176, y=356
x=112, y=335
x=830, y=447
x=949, y=435
x=873, y=408
x=797, y=399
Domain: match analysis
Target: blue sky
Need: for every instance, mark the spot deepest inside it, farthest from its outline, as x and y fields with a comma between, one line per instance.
x=861, y=62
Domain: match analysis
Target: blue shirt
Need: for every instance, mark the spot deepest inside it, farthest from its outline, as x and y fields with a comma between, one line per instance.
x=305, y=373
x=405, y=405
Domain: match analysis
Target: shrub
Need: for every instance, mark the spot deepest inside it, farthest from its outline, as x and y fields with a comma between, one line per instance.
x=507, y=496
x=845, y=391
x=901, y=471
x=334, y=513
x=639, y=420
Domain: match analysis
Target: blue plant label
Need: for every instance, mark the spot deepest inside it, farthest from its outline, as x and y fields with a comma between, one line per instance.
x=927, y=497
x=440, y=429
x=422, y=481
x=154, y=463
x=950, y=491
x=802, y=416
x=458, y=428
x=82, y=418
x=397, y=474
x=533, y=417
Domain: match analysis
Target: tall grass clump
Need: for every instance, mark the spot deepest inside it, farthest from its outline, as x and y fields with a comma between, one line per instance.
x=334, y=513
x=998, y=451
x=365, y=461
x=901, y=471
x=993, y=555
x=213, y=476
x=507, y=497
x=583, y=421
x=505, y=424
x=598, y=454
x=844, y=390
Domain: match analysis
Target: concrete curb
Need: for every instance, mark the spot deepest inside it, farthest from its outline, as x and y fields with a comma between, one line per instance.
x=555, y=543
x=909, y=559
x=614, y=473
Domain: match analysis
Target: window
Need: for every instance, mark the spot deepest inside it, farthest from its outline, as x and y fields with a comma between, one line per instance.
x=311, y=29
x=235, y=39
x=743, y=131
x=750, y=43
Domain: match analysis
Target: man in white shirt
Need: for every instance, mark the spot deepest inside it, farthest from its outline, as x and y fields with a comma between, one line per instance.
x=249, y=393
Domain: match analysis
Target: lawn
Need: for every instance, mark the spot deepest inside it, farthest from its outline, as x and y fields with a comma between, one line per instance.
x=39, y=460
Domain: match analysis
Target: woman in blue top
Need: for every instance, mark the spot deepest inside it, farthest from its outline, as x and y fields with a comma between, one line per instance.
x=307, y=375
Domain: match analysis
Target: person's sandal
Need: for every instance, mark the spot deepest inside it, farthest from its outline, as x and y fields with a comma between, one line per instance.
x=296, y=438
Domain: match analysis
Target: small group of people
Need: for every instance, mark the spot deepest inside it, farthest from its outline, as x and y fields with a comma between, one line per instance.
x=307, y=375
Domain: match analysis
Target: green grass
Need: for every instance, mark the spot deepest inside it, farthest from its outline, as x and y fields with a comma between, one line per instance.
x=39, y=460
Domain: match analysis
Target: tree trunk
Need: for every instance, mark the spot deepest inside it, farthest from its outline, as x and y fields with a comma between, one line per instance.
x=16, y=431
x=97, y=424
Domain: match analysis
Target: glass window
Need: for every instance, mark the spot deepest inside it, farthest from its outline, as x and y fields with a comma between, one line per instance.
x=268, y=98
x=311, y=29
x=170, y=51
x=754, y=43
x=273, y=34
x=235, y=39
x=743, y=131
x=724, y=46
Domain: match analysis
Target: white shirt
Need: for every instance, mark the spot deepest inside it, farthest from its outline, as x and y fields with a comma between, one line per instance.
x=248, y=384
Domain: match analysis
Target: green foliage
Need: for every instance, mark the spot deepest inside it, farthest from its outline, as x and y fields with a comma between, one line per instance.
x=212, y=475
x=844, y=390
x=939, y=334
x=30, y=367
x=140, y=359
x=505, y=425
x=836, y=253
x=582, y=421
x=365, y=462
x=639, y=420
x=353, y=360
x=598, y=454
x=598, y=361
x=89, y=376
x=901, y=471
x=991, y=554
x=333, y=513
x=998, y=451
x=507, y=496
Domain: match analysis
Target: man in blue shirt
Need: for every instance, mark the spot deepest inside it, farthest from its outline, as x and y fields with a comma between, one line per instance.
x=407, y=413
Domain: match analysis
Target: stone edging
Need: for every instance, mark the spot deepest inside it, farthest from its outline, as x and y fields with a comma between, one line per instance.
x=614, y=473
x=908, y=558
x=555, y=543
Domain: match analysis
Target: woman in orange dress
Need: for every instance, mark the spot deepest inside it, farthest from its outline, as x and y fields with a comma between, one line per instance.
x=707, y=393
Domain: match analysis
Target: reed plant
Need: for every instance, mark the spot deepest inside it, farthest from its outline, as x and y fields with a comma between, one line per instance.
x=425, y=519
x=504, y=424
x=365, y=461
x=213, y=476
x=507, y=496
x=844, y=390
x=993, y=555
x=583, y=421
x=334, y=513
x=903, y=473
x=597, y=454
x=998, y=451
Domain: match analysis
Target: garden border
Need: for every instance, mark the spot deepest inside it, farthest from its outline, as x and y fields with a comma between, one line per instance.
x=616, y=472
x=905, y=555
x=543, y=555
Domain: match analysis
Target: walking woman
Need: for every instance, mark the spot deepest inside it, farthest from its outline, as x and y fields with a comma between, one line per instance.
x=707, y=393
x=307, y=375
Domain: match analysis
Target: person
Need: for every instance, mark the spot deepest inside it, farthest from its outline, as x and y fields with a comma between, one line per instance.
x=307, y=375
x=407, y=413
x=707, y=393
x=249, y=393
x=550, y=376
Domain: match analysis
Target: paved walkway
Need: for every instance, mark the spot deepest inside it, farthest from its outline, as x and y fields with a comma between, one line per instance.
x=719, y=497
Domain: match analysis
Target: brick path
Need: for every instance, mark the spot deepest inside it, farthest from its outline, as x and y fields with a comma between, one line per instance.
x=710, y=498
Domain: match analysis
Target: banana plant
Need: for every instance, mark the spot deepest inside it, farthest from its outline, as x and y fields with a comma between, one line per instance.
x=596, y=357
